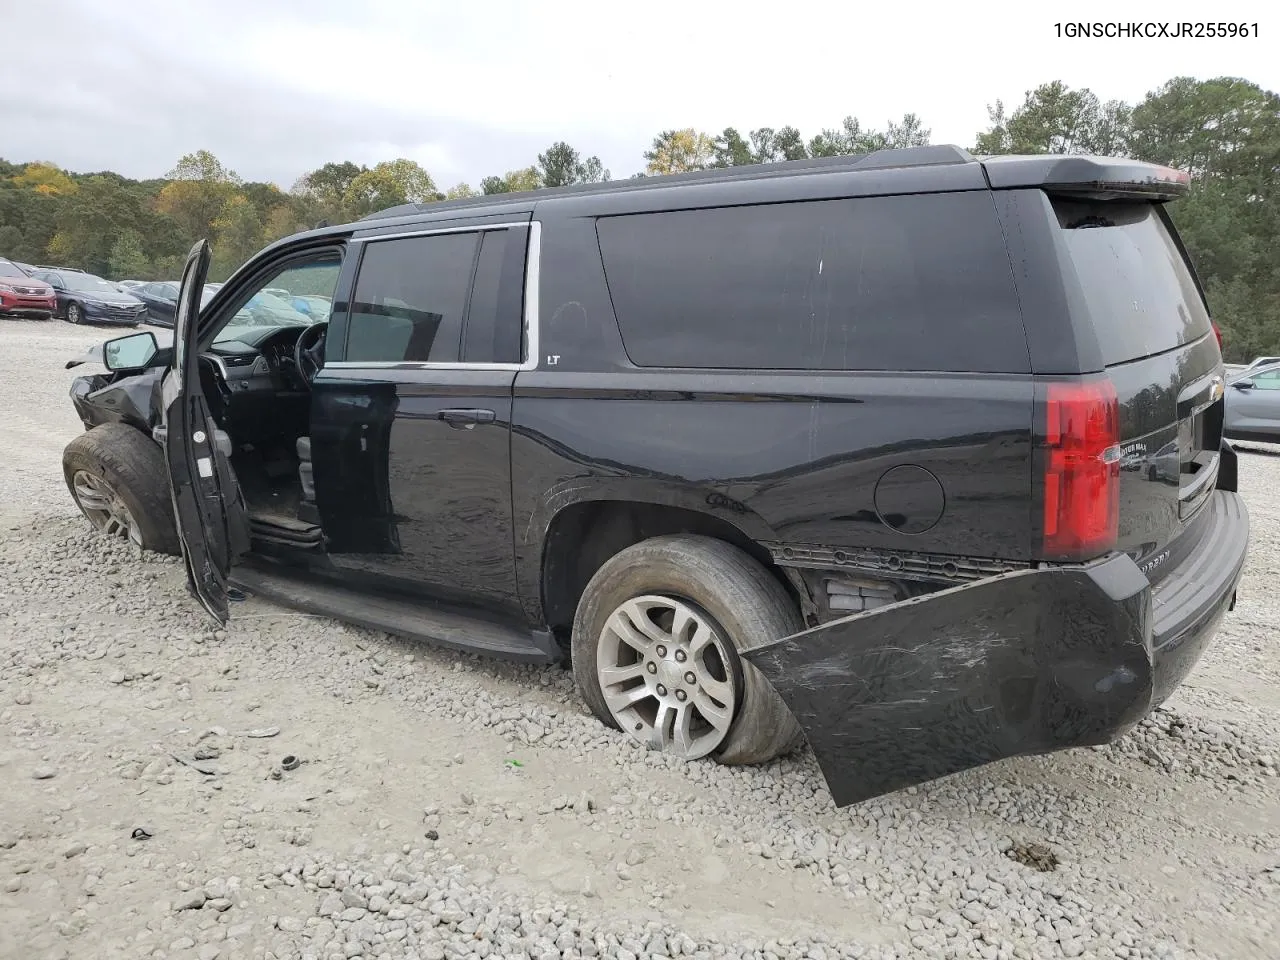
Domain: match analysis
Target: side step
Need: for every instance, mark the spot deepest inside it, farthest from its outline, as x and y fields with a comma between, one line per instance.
x=432, y=624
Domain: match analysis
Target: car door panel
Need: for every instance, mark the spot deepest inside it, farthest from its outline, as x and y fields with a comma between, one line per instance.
x=413, y=479
x=410, y=446
x=210, y=512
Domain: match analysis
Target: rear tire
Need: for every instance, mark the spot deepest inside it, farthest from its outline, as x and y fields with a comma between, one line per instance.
x=121, y=462
x=718, y=585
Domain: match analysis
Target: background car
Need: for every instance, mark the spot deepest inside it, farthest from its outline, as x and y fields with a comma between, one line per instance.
x=1253, y=405
x=129, y=286
x=161, y=299
x=268, y=310
x=84, y=298
x=22, y=295
x=315, y=307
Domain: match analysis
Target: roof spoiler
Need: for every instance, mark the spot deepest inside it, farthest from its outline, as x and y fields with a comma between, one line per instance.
x=1096, y=178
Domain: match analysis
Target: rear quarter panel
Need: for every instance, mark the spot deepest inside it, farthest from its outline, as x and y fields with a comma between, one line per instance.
x=796, y=460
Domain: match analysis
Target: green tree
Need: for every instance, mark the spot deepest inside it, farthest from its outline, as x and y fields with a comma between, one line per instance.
x=770, y=146
x=87, y=230
x=199, y=186
x=459, y=191
x=852, y=139
x=326, y=189
x=127, y=259
x=562, y=165
x=1056, y=119
x=239, y=235
x=389, y=184
x=45, y=178
x=514, y=181
x=12, y=243
x=679, y=151
x=202, y=165
x=730, y=150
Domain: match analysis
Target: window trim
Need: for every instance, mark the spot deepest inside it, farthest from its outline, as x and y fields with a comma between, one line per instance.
x=533, y=257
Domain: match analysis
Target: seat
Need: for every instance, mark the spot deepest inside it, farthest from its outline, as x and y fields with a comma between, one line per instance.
x=305, y=473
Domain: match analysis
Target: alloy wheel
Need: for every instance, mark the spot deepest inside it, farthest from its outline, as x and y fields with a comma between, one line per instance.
x=103, y=506
x=667, y=676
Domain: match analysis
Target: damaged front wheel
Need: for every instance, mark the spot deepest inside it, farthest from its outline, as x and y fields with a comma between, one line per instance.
x=116, y=475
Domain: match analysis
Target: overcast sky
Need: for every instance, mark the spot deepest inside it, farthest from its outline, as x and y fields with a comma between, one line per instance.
x=474, y=87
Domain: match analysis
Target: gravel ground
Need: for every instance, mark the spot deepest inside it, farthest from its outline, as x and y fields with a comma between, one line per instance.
x=443, y=806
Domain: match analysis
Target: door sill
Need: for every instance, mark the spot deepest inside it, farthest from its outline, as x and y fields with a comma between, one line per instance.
x=431, y=623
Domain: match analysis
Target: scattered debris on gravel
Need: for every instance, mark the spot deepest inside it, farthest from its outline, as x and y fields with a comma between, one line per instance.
x=294, y=788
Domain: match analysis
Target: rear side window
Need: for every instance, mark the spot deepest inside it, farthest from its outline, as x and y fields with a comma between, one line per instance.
x=409, y=299
x=1136, y=283
x=881, y=283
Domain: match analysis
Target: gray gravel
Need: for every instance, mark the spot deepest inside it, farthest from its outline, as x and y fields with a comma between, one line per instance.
x=443, y=806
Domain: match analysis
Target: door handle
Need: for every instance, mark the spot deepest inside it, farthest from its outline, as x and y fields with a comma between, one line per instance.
x=466, y=418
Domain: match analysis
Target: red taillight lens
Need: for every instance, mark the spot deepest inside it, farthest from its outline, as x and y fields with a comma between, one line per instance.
x=1082, y=470
x=1218, y=333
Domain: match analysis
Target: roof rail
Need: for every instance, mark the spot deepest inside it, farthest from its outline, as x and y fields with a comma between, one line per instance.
x=933, y=155
x=914, y=157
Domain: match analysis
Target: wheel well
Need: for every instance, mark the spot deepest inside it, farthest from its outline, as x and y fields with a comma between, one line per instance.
x=582, y=537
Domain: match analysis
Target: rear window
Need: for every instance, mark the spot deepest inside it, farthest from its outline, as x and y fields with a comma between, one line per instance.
x=879, y=283
x=1136, y=283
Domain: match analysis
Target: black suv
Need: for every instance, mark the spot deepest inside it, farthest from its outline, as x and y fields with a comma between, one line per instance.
x=823, y=449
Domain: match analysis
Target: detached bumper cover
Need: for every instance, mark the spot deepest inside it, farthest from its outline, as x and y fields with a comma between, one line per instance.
x=1027, y=662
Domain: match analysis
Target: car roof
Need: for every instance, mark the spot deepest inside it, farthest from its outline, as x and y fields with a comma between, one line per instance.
x=924, y=169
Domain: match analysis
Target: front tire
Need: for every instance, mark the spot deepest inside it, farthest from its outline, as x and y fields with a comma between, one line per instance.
x=655, y=650
x=117, y=476
x=74, y=313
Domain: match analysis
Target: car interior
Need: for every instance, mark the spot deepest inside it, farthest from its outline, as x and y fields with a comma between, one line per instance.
x=256, y=375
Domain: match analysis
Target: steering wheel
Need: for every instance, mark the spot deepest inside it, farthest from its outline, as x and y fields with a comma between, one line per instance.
x=308, y=351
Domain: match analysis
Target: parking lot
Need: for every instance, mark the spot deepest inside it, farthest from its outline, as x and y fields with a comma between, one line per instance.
x=442, y=805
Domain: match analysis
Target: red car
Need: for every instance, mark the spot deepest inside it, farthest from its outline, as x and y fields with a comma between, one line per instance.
x=22, y=295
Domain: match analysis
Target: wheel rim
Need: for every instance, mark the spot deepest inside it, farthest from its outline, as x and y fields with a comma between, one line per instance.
x=103, y=506
x=667, y=677
x=73, y=313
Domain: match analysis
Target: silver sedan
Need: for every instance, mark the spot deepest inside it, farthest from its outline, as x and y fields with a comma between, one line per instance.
x=1253, y=405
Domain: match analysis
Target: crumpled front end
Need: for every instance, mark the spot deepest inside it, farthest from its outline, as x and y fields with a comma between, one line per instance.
x=1021, y=663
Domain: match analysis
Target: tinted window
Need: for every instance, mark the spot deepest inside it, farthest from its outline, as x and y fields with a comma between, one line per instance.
x=1138, y=289
x=882, y=283
x=7, y=269
x=409, y=299
x=494, y=325
x=252, y=308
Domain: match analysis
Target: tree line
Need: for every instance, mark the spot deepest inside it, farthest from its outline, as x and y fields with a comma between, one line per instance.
x=1224, y=132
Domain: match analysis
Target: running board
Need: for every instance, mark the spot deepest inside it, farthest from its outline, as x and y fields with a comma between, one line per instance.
x=414, y=621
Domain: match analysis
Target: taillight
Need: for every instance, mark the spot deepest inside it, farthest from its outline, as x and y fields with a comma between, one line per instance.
x=1218, y=333
x=1082, y=470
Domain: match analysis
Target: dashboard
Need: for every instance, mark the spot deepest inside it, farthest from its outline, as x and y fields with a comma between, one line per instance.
x=253, y=385
x=259, y=360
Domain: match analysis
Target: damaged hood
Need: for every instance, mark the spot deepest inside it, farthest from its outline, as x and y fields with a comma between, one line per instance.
x=164, y=338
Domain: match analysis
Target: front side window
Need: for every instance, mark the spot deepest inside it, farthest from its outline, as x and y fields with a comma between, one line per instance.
x=1267, y=381
x=257, y=308
x=409, y=299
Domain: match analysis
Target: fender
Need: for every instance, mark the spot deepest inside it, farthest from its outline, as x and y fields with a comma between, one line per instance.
x=532, y=530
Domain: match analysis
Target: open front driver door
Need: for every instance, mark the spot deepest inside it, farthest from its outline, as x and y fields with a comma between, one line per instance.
x=212, y=522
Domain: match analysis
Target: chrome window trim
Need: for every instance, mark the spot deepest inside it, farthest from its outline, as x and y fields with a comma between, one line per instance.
x=533, y=262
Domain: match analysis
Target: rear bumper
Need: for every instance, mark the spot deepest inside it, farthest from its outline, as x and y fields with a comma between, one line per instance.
x=1028, y=662
x=1190, y=602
